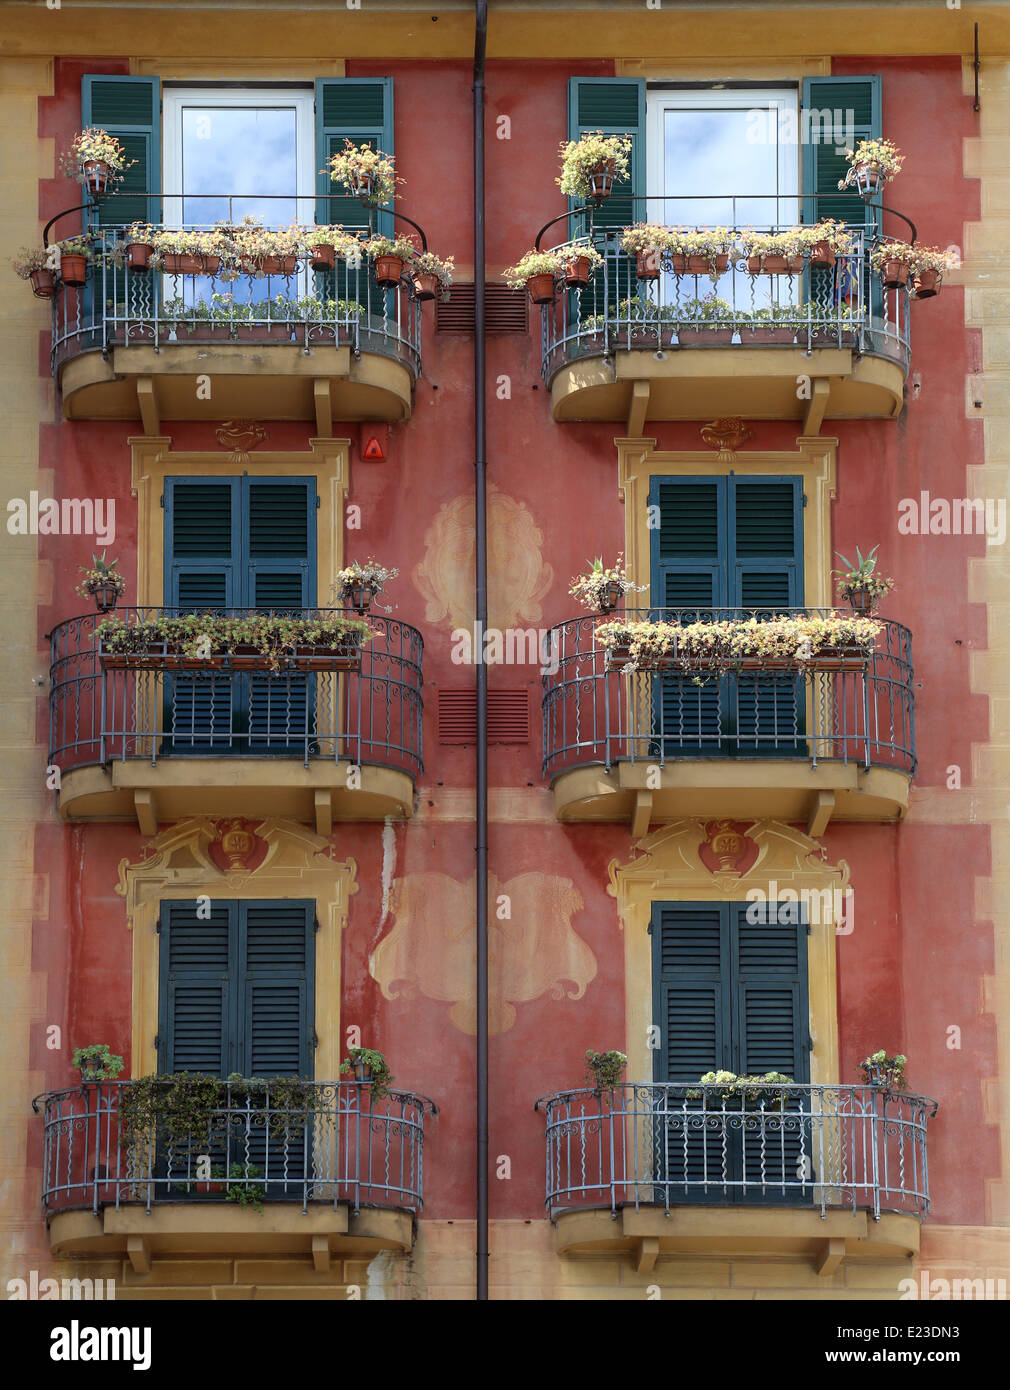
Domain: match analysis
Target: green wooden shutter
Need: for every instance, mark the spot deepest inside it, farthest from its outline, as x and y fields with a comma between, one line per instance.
x=278, y=987
x=690, y=979
x=202, y=543
x=130, y=109
x=824, y=164
x=196, y=987
x=769, y=962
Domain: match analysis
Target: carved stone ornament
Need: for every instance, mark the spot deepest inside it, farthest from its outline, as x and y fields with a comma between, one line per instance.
x=726, y=435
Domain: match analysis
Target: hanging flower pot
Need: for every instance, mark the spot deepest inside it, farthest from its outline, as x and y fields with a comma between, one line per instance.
x=97, y=177
x=609, y=597
x=869, y=180
x=74, y=270
x=359, y=596
x=601, y=181
x=425, y=286
x=277, y=265
x=138, y=255
x=707, y=265
x=822, y=254
x=894, y=275
x=577, y=270
x=927, y=284
x=388, y=270
x=105, y=595
x=774, y=264
x=541, y=288
x=647, y=265
x=862, y=600
x=43, y=283
x=322, y=257
x=361, y=184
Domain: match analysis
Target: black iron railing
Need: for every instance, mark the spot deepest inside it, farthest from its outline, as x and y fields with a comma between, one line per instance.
x=595, y=713
x=372, y=714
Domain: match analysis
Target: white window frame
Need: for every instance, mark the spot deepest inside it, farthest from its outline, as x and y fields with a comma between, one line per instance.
x=176, y=98
x=785, y=100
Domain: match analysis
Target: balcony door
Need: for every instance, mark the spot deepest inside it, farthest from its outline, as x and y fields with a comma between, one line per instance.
x=240, y=543
x=731, y=544
x=730, y=995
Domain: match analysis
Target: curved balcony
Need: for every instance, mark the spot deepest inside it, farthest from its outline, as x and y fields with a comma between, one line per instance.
x=130, y=344
x=624, y=348
x=820, y=1171
x=803, y=746
x=157, y=744
x=337, y=1173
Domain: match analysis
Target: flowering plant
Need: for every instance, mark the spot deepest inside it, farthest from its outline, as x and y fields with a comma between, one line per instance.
x=710, y=311
x=345, y=244
x=879, y=1068
x=31, y=258
x=400, y=246
x=862, y=577
x=99, y=575
x=721, y=645
x=581, y=249
x=881, y=155
x=427, y=263
x=94, y=146
x=371, y=575
x=642, y=237
x=838, y=237
x=365, y=172
x=788, y=241
x=593, y=589
x=917, y=258
x=274, y=637
x=604, y=1068
x=253, y=244
x=76, y=246
x=533, y=263
x=590, y=154
x=702, y=241
x=753, y=1089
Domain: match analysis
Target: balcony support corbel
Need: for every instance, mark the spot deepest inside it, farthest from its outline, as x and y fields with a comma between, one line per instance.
x=147, y=812
x=646, y=1254
x=321, y=1254
x=817, y=405
x=830, y=1255
x=641, y=816
x=148, y=403
x=638, y=408
x=820, y=813
x=324, y=407
x=138, y=1254
x=324, y=811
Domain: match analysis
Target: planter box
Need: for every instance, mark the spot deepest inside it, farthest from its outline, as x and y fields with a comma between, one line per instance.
x=774, y=265
x=767, y=333
x=264, y=332
x=346, y=657
x=185, y=263
x=847, y=658
x=704, y=337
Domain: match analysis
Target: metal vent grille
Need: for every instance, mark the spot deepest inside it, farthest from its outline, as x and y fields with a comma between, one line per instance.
x=506, y=311
x=508, y=716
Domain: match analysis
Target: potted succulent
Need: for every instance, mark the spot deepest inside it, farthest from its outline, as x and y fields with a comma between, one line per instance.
x=102, y=582
x=707, y=250
x=773, y=253
x=591, y=165
x=75, y=252
x=871, y=164
x=252, y=642
x=390, y=255
x=138, y=245
x=604, y=1069
x=325, y=243
x=757, y=1092
x=860, y=583
x=705, y=321
x=365, y=173
x=34, y=264
x=369, y=1068
x=899, y=262
x=97, y=1063
x=825, y=241
x=266, y=251
x=603, y=587
x=357, y=584
x=884, y=1071
x=537, y=271
x=775, y=323
x=179, y=251
x=651, y=244
x=578, y=263
x=432, y=275
x=96, y=160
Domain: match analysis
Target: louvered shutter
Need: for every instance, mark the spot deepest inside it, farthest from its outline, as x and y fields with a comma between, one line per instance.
x=276, y=1022
x=359, y=109
x=197, y=1017
x=613, y=106
x=130, y=109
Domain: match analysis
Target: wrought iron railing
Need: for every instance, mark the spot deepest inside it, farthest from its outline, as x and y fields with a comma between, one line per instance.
x=369, y=715
x=121, y=306
x=839, y=306
x=341, y=1145
x=854, y=1147
x=594, y=713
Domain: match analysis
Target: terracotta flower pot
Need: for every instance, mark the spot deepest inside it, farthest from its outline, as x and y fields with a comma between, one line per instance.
x=74, y=270
x=210, y=265
x=43, y=283
x=609, y=598
x=577, y=270
x=388, y=270
x=927, y=284
x=894, y=275
x=278, y=265
x=704, y=337
x=705, y=265
x=822, y=254
x=138, y=255
x=778, y=265
x=425, y=287
x=264, y=332
x=322, y=257
x=602, y=181
x=767, y=333
x=210, y=1188
x=358, y=596
x=97, y=177
x=861, y=601
x=648, y=264
x=182, y=263
x=541, y=288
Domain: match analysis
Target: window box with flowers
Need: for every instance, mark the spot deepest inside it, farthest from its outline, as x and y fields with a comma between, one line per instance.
x=538, y=271
x=775, y=323
x=872, y=164
x=266, y=251
x=701, y=250
x=255, y=642
x=773, y=253
x=591, y=165
x=651, y=244
x=178, y=251
x=706, y=649
x=96, y=160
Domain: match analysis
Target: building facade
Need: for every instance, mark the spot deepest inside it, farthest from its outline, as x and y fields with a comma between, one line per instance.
x=242, y=870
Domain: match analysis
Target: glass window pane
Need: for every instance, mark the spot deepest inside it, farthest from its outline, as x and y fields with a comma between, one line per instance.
x=244, y=153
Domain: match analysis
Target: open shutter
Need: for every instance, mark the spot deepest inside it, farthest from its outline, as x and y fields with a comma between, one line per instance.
x=130, y=109
x=827, y=102
x=278, y=947
x=196, y=1017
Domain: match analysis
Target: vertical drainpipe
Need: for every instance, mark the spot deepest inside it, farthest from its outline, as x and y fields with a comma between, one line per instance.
x=480, y=557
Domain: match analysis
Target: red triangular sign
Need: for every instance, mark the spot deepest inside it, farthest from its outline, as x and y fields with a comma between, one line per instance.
x=373, y=449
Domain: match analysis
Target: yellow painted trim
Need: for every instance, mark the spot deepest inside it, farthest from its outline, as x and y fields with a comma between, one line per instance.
x=299, y=864
x=716, y=69
x=666, y=868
